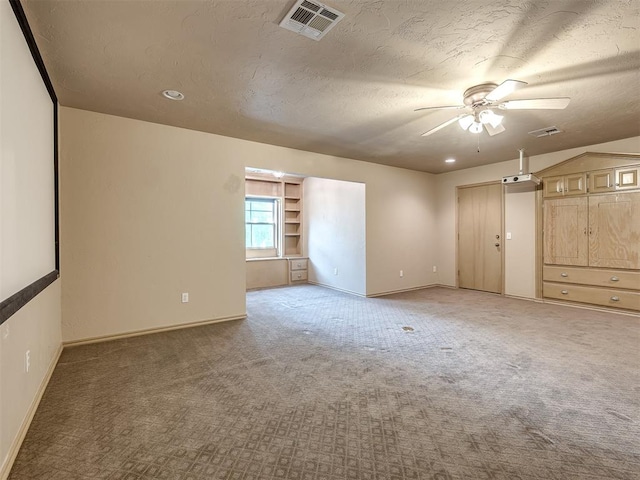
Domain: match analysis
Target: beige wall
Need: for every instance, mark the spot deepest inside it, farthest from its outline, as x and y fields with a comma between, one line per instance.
x=35, y=327
x=519, y=214
x=335, y=232
x=149, y=211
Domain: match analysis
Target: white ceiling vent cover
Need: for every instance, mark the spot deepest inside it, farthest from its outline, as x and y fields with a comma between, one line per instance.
x=545, y=132
x=311, y=19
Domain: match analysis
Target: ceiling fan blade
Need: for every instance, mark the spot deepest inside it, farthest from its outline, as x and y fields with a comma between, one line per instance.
x=504, y=89
x=441, y=126
x=537, y=104
x=447, y=107
x=491, y=130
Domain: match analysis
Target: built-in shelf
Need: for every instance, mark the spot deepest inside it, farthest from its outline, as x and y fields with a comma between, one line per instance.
x=292, y=218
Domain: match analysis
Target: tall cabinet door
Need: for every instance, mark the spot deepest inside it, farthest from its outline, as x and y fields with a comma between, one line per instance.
x=614, y=230
x=565, y=231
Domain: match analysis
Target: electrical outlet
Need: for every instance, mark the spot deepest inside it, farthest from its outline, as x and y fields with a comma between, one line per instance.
x=508, y=235
x=335, y=271
x=27, y=360
x=435, y=269
x=185, y=298
x=401, y=273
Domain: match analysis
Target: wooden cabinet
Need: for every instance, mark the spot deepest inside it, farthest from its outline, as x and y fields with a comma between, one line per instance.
x=627, y=178
x=609, y=278
x=565, y=185
x=591, y=231
x=614, y=230
x=565, y=231
x=298, y=268
x=614, y=179
x=596, y=231
x=605, y=297
x=602, y=181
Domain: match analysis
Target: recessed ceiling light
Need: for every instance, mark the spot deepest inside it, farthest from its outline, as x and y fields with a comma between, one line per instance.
x=173, y=95
x=450, y=160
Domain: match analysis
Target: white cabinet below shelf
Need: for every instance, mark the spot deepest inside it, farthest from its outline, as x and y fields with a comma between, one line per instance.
x=298, y=270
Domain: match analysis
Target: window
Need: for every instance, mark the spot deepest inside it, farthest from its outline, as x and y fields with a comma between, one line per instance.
x=261, y=225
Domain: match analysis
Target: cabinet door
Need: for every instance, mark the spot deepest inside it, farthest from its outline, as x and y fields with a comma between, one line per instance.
x=602, y=181
x=614, y=230
x=565, y=240
x=575, y=184
x=553, y=186
x=627, y=178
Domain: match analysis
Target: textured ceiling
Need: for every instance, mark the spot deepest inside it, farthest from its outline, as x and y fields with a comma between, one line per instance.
x=353, y=93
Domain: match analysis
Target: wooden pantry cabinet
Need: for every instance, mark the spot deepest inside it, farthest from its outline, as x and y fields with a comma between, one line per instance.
x=591, y=230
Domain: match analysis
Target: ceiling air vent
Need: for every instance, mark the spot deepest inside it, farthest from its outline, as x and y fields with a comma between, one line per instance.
x=311, y=19
x=545, y=132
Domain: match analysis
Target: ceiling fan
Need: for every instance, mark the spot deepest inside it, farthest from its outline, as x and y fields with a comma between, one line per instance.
x=481, y=101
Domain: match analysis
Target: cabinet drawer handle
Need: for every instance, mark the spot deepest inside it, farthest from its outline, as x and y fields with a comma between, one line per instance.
x=299, y=275
x=564, y=274
x=615, y=299
x=614, y=279
x=565, y=292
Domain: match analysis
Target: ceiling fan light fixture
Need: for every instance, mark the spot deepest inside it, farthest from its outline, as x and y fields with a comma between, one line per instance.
x=488, y=116
x=491, y=118
x=466, y=121
x=476, y=127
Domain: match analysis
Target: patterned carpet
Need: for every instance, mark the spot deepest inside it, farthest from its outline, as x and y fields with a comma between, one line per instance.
x=316, y=384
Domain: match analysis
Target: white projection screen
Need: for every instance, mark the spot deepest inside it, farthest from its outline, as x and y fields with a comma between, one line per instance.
x=27, y=167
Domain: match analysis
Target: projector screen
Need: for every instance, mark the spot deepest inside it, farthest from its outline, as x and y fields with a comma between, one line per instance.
x=28, y=215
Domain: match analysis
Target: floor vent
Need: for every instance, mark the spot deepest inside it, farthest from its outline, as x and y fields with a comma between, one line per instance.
x=545, y=132
x=311, y=19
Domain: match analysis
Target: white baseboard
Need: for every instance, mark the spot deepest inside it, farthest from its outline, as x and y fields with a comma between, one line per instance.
x=421, y=287
x=24, y=428
x=148, y=331
x=350, y=292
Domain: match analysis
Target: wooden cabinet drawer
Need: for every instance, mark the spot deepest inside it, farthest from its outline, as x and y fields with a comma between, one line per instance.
x=590, y=276
x=593, y=295
x=298, y=264
x=298, y=275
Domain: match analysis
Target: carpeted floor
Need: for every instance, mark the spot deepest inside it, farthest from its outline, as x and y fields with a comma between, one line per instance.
x=317, y=384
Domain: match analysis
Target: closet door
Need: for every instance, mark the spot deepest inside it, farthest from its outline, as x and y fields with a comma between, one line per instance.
x=614, y=230
x=479, y=237
x=565, y=231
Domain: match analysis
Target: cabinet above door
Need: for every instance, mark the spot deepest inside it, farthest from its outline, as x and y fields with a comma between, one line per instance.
x=565, y=185
x=614, y=179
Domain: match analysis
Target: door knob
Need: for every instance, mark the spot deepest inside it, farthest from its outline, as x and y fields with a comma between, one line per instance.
x=497, y=244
